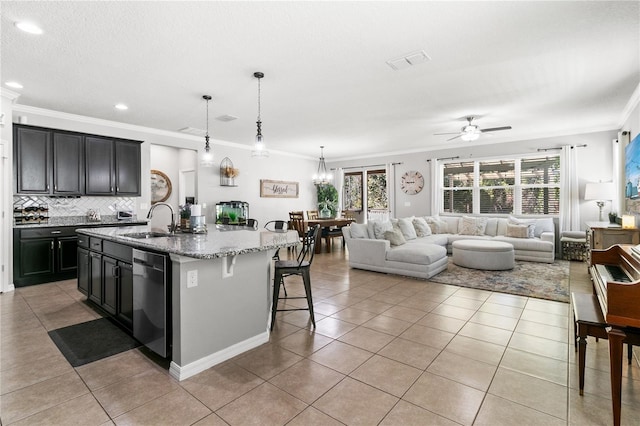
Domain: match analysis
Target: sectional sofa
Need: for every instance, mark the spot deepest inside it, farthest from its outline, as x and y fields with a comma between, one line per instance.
x=418, y=246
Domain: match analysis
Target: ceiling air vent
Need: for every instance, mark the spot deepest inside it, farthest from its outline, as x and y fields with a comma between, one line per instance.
x=192, y=131
x=408, y=60
x=227, y=117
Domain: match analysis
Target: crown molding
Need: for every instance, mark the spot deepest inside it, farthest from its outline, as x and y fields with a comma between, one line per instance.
x=9, y=94
x=631, y=105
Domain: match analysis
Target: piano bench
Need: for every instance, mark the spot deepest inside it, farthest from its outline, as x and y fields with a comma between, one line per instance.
x=588, y=321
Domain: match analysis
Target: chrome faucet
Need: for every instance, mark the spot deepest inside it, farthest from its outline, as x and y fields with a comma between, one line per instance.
x=172, y=227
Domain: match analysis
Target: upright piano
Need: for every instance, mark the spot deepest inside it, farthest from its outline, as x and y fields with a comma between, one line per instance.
x=615, y=273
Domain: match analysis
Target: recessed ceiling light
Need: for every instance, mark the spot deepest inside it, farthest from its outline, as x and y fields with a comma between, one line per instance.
x=121, y=107
x=14, y=84
x=29, y=27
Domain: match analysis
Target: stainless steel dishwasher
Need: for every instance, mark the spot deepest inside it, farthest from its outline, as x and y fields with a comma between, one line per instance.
x=150, y=300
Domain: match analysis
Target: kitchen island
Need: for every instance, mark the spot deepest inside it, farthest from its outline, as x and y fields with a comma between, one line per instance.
x=218, y=287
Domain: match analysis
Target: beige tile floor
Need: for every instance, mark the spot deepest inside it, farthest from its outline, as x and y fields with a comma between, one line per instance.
x=387, y=350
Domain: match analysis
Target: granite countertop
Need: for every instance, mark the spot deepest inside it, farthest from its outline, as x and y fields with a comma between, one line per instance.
x=57, y=221
x=220, y=241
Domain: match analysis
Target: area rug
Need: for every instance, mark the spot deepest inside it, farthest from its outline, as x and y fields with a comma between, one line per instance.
x=532, y=279
x=90, y=341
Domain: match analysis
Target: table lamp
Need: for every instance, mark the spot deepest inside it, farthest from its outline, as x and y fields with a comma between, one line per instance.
x=599, y=191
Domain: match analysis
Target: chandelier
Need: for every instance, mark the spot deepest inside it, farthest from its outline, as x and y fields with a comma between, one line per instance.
x=259, y=147
x=322, y=177
x=207, y=156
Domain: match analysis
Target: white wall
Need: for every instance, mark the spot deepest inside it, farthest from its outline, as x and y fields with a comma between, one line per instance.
x=595, y=164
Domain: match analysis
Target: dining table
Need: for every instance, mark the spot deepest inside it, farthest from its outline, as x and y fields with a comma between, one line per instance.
x=327, y=223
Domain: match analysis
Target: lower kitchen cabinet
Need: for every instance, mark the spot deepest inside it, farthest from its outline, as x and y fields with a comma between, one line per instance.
x=105, y=275
x=43, y=255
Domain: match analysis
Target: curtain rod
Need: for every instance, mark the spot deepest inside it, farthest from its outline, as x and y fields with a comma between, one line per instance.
x=444, y=158
x=368, y=165
x=558, y=149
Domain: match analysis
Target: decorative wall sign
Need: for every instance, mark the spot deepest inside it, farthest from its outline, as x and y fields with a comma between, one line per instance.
x=160, y=187
x=278, y=189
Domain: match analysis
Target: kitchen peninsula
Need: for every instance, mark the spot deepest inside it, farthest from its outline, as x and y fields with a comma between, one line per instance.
x=217, y=287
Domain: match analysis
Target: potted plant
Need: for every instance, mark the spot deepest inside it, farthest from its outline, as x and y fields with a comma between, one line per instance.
x=185, y=216
x=327, y=200
x=229, y=174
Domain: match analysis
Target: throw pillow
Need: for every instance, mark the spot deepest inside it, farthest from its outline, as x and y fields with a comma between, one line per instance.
x=473, y=225
x=394, y=237
x=406, y=226
x=359, y=230
x=379, y=228
x=530, y=223
x=517, y=231
x=437, y=225
x=422, y=227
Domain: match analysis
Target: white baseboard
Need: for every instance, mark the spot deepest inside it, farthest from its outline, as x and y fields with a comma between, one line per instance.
x=191, y=369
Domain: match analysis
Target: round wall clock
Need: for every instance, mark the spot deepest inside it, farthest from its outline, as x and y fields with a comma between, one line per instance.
x=412, y=182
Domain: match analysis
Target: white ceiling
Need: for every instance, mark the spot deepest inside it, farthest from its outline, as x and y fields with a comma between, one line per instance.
x=545, y=68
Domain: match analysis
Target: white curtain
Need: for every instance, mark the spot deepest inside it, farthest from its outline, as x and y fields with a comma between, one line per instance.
x=390, y=173
x=569, y=195
x=615, y=177
x=435, y=187
x=339, y=183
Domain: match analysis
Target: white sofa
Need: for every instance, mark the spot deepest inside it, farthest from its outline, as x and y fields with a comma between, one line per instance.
x=425, y=256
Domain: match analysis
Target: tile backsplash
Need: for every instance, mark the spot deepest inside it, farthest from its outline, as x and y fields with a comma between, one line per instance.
x=106, y=206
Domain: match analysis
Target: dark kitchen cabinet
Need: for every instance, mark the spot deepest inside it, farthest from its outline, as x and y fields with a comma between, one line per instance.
x=32, y=157
x=56, y=162
x=113, y=167
x=84, y=265
x=100, y=166
x=127, y=168
x=44, y=255
x=68, y=164
x=108, y=278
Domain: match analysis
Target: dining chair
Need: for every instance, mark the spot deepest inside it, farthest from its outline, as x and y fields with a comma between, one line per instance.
x=300, y=266
x=312, y=214
x=277, y=226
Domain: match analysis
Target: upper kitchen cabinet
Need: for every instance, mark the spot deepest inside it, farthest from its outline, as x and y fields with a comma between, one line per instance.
x=127, y=168
x=68, y=163
x=100, y=164
x=113, y=166
x=32, y=160
x=56, y=162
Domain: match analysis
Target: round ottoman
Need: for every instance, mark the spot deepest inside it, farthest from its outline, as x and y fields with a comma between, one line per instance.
x=483, y=254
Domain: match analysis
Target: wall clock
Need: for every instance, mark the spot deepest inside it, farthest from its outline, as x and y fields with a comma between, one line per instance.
x=411, y=182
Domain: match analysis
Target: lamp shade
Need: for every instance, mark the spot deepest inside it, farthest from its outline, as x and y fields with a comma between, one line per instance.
x=599, y=191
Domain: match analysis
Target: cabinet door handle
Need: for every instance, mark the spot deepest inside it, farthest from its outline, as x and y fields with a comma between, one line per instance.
x=116, y=272
x=55, y=187
x=56, y=232
x=47, y=187
x=59, y=245
x=117, y=189
x=51, y=245
x=111, y=188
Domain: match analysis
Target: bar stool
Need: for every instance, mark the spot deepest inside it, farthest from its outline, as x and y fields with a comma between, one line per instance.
x=301, y=266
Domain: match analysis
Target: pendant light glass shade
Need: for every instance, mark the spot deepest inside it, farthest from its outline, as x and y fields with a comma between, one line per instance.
x=259, y=148
x=206, y=159
x=322, y=176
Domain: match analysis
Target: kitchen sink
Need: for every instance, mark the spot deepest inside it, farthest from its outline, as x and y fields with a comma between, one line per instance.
x=142, y=235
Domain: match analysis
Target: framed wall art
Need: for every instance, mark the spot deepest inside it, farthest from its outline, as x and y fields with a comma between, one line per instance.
x=278, y=189
x=160, y=187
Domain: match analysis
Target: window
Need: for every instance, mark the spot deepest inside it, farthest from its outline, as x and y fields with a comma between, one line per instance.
x=508, y=186
x=373, y=195
x=352, y=191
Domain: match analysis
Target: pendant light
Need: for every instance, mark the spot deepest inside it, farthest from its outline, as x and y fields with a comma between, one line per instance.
x=259, y=149
x=322, y=177
x=207, y=156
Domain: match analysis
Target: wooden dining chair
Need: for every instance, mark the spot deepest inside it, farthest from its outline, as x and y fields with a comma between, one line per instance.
x=312, y=214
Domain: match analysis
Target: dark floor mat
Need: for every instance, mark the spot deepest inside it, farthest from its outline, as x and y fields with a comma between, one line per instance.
x=90, y=341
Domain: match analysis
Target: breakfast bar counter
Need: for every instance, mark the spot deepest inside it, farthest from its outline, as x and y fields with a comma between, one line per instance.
x=220, y=285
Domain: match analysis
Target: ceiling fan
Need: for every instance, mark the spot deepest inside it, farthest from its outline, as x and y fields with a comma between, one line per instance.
x=471, y=132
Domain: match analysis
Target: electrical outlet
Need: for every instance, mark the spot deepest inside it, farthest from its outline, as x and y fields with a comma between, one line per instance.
x=192, y=278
